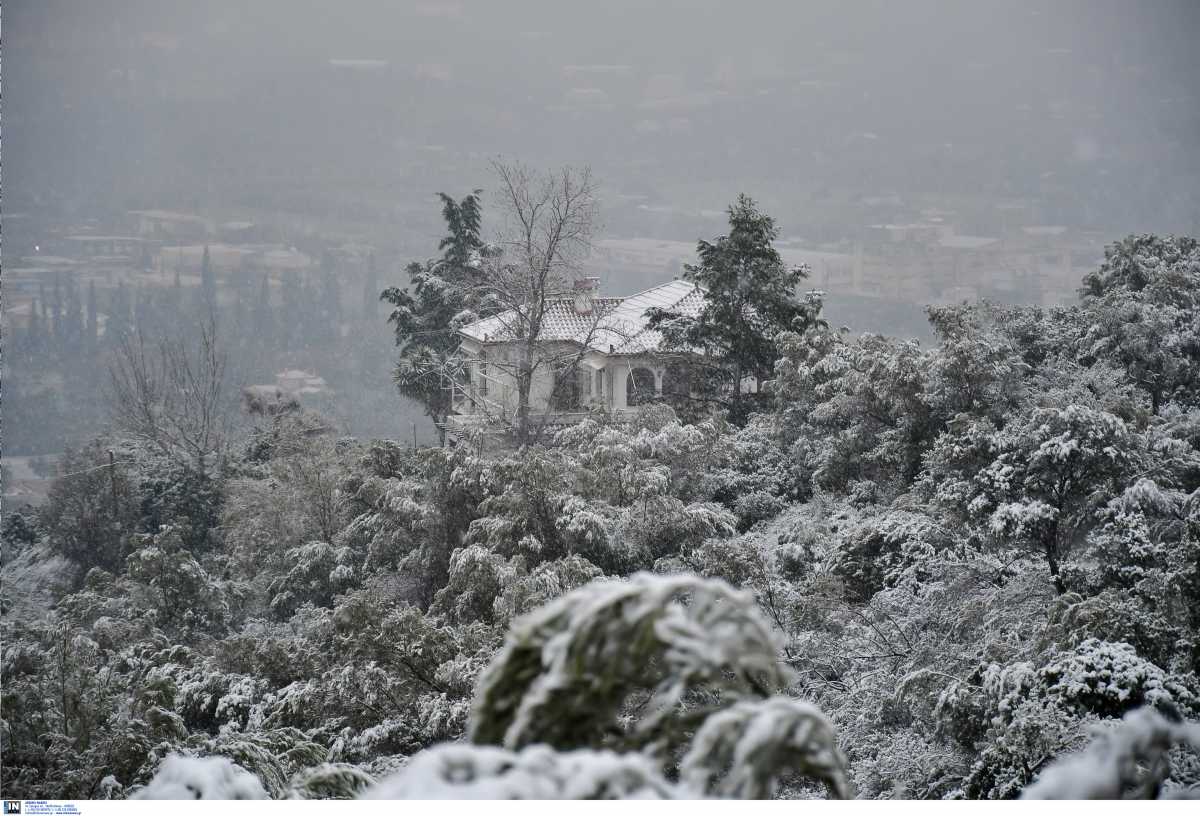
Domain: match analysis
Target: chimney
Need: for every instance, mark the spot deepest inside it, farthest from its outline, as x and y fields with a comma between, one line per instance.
x=586, y=290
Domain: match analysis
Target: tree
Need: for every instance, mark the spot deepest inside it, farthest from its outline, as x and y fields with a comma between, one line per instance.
x=262, y=314
x=174, y=395
x=73, y=330
x=93, y=327
x=208, y=287
x=681, y=667
x=370, y=294
x=424, y=317
x=751, y=297
x=331, y=299
x=1129, y=762
x=291, y=325
x=546, y=233
x=35, y=340
x=91, y=509
x=567, y=670
x=1043, y=476
x=1140, y=309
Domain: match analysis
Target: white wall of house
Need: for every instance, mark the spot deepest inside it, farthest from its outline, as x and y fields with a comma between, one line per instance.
x=604, y=380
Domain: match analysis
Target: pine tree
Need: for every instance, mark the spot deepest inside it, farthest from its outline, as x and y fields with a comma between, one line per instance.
x=93, y=327
x=751, y=297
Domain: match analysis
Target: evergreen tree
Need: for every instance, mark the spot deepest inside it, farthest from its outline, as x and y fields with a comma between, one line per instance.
x=240, y=312
x=330, y=298
x=118, y=315
x=424, y=316
x=751, y=297
x=208, y=287
x=289, y=324
x=34, y=339
x=93, y=326
x=263, y=316
x=73, y=328
x=175, y=298
x=55, y=324
x=371, y=298
x=143, y=313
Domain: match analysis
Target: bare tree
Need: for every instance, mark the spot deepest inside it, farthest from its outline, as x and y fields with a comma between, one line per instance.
x=546, y=234
x=561, y=359
x=174, y=395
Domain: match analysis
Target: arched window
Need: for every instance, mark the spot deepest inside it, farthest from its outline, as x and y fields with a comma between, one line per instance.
x=639, y=387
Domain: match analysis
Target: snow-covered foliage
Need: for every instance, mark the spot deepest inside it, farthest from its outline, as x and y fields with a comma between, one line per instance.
x=567, y=670
x=915, y=572
x=536, y=772
x=740, y=751
x=1127, y=761
x=213, y=777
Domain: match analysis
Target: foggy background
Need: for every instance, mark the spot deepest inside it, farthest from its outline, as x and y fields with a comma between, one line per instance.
x=911, y=152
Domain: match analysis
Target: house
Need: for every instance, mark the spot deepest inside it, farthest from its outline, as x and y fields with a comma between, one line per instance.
x=595, y=354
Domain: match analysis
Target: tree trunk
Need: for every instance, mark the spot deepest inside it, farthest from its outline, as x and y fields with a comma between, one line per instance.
x=1051, y=550
x=524, y=385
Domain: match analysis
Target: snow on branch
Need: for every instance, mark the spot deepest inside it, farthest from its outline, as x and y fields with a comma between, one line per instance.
x=212, y=777
x=741, y=751
x=1129, y=762
x=456, y=771
x=567, y=669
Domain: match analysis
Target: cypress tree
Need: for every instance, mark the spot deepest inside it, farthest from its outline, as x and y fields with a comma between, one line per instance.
x=93, y=316
x=208, y=286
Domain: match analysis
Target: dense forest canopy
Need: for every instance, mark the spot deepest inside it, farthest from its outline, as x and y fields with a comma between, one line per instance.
x=909, y=572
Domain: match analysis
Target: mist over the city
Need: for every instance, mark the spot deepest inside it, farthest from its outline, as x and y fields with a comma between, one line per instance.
x=612, y=399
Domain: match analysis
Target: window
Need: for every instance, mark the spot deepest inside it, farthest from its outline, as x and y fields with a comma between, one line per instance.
x=600, y=383
x=566, y=395
x=639, y=387
x=483, y=374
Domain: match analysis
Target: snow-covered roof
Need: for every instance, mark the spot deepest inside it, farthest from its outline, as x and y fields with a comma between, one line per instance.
x=619, y=324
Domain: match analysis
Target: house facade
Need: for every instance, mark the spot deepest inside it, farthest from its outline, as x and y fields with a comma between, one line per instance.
x=594, y=354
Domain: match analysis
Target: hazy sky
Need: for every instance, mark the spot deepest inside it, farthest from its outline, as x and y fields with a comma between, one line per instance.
x=1094, y=106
